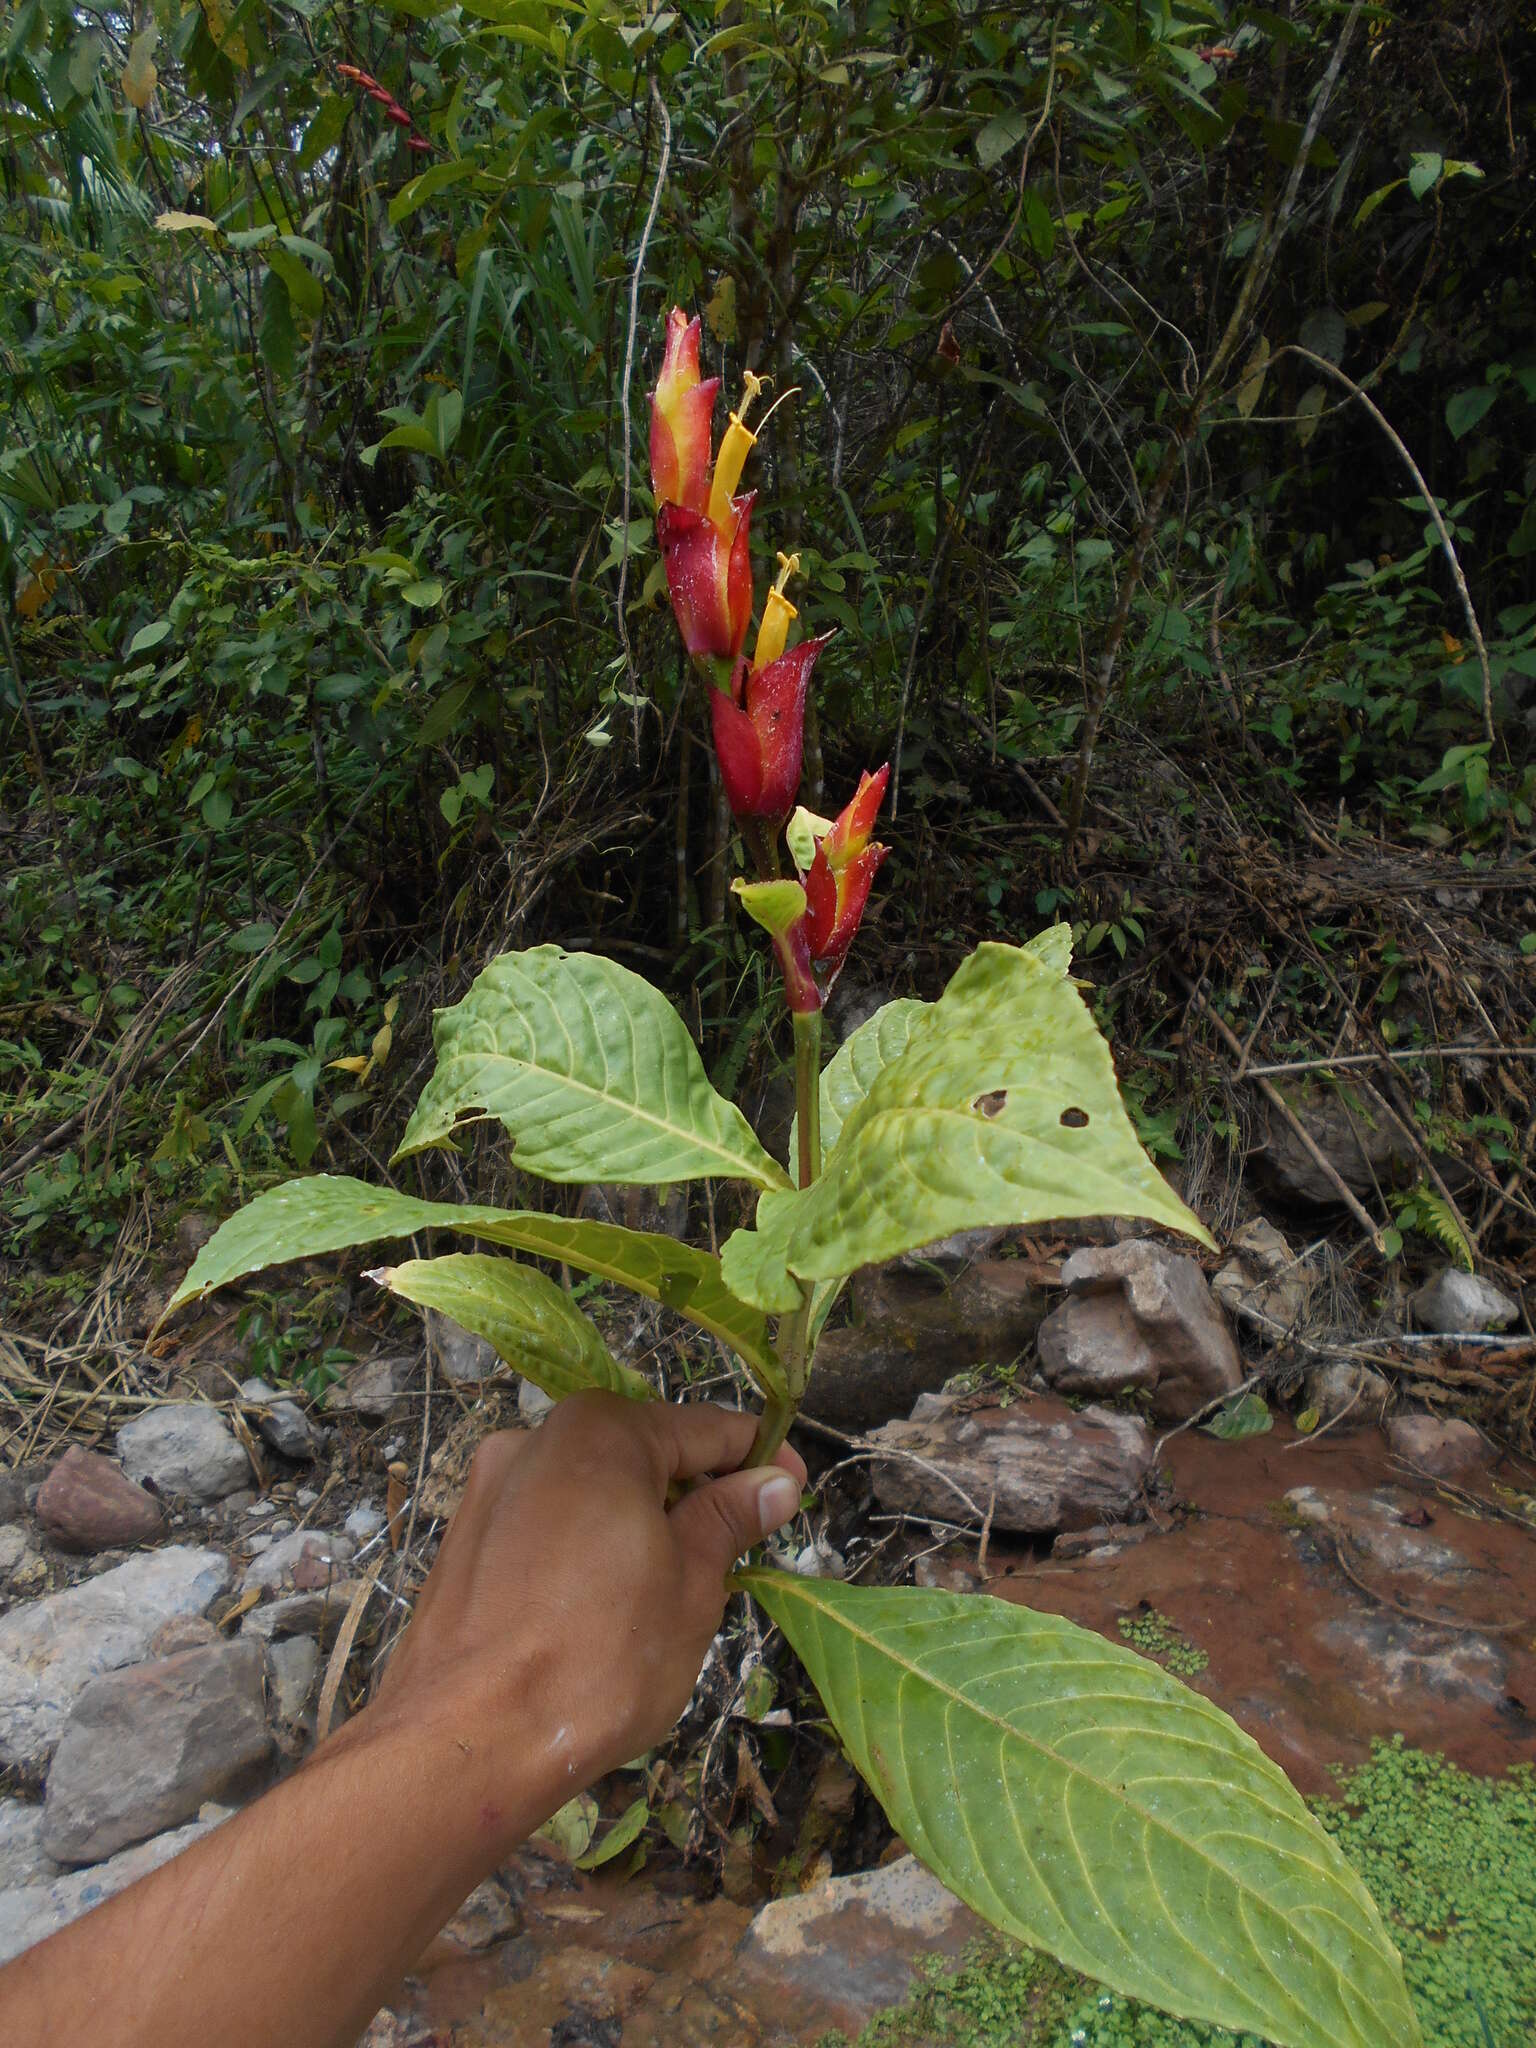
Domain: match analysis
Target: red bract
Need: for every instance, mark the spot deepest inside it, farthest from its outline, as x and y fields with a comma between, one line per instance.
x=839, y=879
x=681, y=410
x=709, y=576
x=760, y=744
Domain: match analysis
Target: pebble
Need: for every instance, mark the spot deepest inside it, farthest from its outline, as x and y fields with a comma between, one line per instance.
x=13, y=1546
x=281, y=1421
x=51, y=1649
x=87, y=1503
x=318, y=1554
x=1454, y=1303
x=184, y=1447
x=293, y=1666
x=364, y=1523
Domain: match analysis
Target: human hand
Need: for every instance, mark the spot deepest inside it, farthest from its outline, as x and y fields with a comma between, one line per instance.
x=568, y=1600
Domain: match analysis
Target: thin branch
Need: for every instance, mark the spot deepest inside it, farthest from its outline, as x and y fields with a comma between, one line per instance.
x=629, y=371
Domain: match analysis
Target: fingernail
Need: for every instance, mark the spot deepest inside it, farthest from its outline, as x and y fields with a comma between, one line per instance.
x=777, y=1499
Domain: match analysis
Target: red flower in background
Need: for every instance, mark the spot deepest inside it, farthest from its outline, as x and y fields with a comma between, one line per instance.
x=838, y=882
x=382, y=96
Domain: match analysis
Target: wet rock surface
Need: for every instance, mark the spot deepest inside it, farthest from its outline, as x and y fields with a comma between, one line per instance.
x=1139, y=1316
x=184, y=1448
x=87, y=1503
x=145, y=1747
x=1040, y=1464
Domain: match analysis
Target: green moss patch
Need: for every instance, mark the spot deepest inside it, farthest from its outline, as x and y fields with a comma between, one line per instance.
x=1449, y=1858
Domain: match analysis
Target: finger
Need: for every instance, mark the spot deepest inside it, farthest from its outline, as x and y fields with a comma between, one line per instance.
x=717, y=1522
x=698, y=1437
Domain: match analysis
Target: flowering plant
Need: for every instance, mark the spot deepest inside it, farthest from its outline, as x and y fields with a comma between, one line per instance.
x=1073, y=1793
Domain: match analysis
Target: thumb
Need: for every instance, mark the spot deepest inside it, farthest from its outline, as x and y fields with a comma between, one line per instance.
x=717, y=1522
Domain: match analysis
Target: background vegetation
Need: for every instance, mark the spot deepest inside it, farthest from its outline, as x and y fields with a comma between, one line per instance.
x=1162, y=446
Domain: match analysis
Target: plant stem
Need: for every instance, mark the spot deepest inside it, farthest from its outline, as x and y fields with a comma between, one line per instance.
x=808, y=1093
x=773, y=1424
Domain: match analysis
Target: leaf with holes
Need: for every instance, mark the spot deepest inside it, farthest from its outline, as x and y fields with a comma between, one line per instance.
x=1001, y=1110
x=592, y=1072
x=529, y=1322
x=1083, y=1800
x=333, y=1212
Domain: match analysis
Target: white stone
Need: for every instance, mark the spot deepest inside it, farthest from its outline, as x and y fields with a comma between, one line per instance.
x=29, y=1913
x=1456, y=1303
x=13, y=1546
x=533, y=1404
x=186, y=1448
x=282, y=1421
x=364, y=1523
x=22, y=1859
x=50, y=1649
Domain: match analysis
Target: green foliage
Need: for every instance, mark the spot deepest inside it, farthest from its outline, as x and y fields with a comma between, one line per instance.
x=1083, y=1801
x=591, y=1070
x=529, y=1321
x=1155, y=1636
x=1001, y=1109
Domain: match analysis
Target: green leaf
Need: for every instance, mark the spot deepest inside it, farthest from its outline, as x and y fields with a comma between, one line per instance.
x=1425, y=173
x=1002, y=1110
x=1083, y=1800
x=332, y=1213
x=859, y=1060
x=591, y=1070
x=149, y=636
x=1248, y=1415
x=619, y=1836
x=1462, y=413
x=305, y=292
x=529, y=1321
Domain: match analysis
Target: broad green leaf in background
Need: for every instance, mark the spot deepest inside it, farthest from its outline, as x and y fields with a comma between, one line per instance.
x=531, y=1323
x=592, y=1072
x=1003, y=1109
x=332, y=1213
x=1083, y=1800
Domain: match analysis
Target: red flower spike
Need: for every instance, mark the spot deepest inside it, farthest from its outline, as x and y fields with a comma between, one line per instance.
x=709, y=576
x=760, y=744
x=419, y=143
x=681, y=411
x=838, y=883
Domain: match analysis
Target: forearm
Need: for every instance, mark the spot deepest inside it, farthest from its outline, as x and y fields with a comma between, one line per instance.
x=376, y=1842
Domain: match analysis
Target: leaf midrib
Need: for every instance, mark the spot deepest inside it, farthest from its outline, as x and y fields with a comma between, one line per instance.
x=1041, y=1749
x=741, y=1167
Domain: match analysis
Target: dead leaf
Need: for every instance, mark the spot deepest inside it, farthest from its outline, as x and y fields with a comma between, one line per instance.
x=139, y=74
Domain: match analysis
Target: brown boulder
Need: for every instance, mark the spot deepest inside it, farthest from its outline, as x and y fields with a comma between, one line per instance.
x=1446, y=1450
x=1139, y=1316
x=1038, y=1464
x=87, y=1503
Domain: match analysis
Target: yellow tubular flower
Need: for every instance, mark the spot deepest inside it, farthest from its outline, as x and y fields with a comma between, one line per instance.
x=736, y=445
x=778, y=612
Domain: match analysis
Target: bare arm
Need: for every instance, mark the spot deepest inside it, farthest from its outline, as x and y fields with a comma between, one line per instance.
x=559, y=1634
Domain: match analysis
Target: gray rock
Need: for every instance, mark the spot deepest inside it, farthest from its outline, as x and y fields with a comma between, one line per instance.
x=1457, y=1303
x=282, y=1421
x=1040, y=1465
x=317, y=1556
x=533, y=1404
x=927, y=1328
x=302, y=1614
x=1348, y=1396
x=29, y=1913
x=292, y=1669
x=1394, y=1661
x=1372, y=1526
x=22, y=1859
x=372, y=1388
x=51, y=1649
x=13, y=1547
x=364, y=1523
x=1446, y=1450
x=857, y=1939
x=145, y=1747
x=465, y=1358
x=1138, y=1315
x=1262, y=1282
x=184, y=1448
x=486, y=1916
x=1365, y=1151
